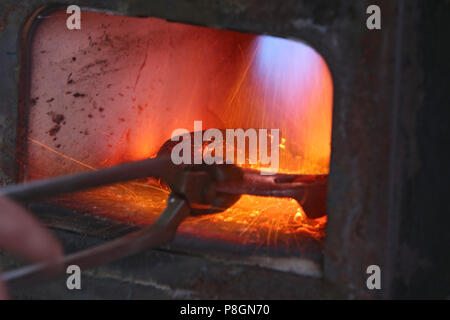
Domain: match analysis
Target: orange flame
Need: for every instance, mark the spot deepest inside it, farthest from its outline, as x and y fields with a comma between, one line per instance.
x=167, y=76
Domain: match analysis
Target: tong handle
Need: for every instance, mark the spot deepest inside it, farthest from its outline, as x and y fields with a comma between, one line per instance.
x=160, y=232
x=36, y=190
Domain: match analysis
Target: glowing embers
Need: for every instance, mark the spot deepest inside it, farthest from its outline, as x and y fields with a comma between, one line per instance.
x=252, y=221
x=266, y=221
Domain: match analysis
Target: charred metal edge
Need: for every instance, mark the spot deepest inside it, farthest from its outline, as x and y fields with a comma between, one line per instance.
x=306, y=261
x=162, y=274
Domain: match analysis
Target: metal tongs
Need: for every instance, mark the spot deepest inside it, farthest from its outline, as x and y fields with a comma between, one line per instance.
x=195, y=190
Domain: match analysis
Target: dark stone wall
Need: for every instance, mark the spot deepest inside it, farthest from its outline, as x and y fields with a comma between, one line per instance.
x=422, y=255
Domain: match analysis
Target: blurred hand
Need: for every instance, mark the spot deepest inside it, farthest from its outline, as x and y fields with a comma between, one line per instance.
x=23, y=235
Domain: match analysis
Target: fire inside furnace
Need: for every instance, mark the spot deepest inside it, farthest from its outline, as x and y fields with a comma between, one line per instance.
x=116, y=91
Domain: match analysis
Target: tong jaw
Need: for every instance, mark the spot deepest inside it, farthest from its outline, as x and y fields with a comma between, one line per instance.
x=196, y=184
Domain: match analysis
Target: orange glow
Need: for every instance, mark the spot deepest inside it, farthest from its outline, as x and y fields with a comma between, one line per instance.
x=157, y=76
x=257, y=221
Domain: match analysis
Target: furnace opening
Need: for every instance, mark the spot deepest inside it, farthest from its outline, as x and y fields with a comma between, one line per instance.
x=114, y=93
